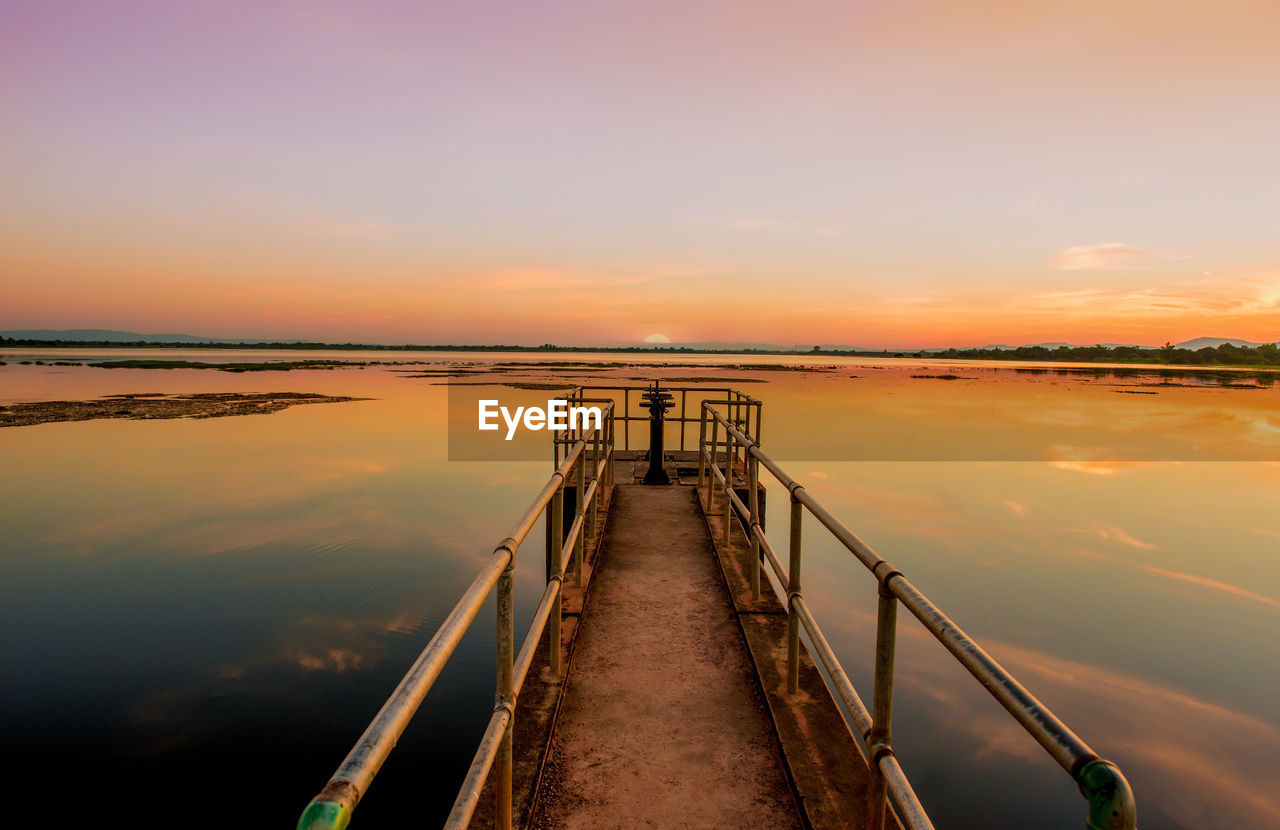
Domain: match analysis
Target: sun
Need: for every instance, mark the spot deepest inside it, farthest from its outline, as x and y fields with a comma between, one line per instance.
x=657, y=338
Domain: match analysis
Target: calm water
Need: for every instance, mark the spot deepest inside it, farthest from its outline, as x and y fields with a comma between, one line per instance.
x=198, y=617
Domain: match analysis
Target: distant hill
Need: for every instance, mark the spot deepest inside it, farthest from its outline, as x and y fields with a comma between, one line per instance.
x=112, y=336
x=1215, y=342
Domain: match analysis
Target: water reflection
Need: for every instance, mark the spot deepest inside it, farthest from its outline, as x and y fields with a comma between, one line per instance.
x=187, y=597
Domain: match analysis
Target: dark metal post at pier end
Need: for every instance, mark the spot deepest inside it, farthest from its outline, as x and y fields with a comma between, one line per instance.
x=658, y=402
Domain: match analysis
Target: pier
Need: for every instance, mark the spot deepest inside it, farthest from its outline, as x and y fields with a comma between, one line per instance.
x=673, y=674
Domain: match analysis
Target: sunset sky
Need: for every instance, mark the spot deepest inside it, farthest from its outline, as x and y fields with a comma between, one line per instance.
x=885, y=174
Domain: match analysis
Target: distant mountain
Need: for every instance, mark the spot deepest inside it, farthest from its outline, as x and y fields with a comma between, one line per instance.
x=1214, y=342
x=112, y=336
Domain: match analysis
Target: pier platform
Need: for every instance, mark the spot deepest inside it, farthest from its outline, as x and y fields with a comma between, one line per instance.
x=674, y=710
x=668, y=676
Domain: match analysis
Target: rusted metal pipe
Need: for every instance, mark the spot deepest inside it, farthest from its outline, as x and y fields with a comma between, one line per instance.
x=702, y=449
x=505, y=697
x=844, y=686
x=711, y=490
x=464, y=806
x=793, y=591
x=753, y=496
x=557, y=570
x=728, y=486
x=579, y=548
x=909, y=809
x=880, y=741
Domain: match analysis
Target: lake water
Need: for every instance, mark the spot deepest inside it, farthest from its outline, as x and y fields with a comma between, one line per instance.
x=199, y=617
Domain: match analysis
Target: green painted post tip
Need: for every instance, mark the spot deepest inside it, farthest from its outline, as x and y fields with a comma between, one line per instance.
x=325, y=815
x=1111, y=805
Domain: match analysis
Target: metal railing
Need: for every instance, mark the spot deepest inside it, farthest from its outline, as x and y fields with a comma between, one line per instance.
x=1110, y=799
x=590, y=393
x=587, y=466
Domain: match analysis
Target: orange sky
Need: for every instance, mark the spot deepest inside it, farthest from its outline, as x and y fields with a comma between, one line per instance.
x=869, y=173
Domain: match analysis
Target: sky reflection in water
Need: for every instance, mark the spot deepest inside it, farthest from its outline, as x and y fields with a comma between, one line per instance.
x=190, y=603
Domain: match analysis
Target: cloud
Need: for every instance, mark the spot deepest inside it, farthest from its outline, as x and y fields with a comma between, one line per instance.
x=1213, y=584
x=1111, y=256
x=1017, y=507
x=1119, y=535
x=1098, y=461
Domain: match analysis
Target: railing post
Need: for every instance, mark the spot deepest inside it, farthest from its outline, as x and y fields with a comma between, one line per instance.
x=608, y=467
x=728, y=482
x=753, y=501
x=595, y=476
x=626, y=419
x=793, y=591
x=711, y=476
x=557, y=572
x=702, y=447
x=578, y=545
x=683, y=394
x=880, y=741
x=505, y=693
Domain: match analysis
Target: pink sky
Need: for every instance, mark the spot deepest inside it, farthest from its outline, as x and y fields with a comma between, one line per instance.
x=875, y=173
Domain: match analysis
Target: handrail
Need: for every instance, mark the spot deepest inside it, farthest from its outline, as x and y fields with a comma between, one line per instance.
x=1111, y=803
x=738, y=398
x=331, y=809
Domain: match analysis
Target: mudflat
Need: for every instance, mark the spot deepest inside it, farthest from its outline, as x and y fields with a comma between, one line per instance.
x=159, y=406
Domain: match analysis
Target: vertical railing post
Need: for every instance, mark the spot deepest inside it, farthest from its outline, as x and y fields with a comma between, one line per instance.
x=711, y=476
x=595, y=476
x=683, y=394
x=557, y=571
x=793, y=592
x=609, y=449
x=753, y=501
x=880, y=741
x=505, y=692
x=702, y=447
x=728, y=480
x=626, y=419
x=578, y=546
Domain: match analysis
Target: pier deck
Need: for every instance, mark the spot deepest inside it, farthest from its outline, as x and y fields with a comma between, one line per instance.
x=662, y=723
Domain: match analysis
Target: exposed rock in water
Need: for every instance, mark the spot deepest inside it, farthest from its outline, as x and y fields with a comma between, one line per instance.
x=156, y=406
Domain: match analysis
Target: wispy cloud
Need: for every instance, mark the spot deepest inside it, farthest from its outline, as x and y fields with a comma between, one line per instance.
x=1098, y=461
x=1017, y=507
x=1111, y=256
x=1248, y=291
x=1215, y=585
x=1117, y=534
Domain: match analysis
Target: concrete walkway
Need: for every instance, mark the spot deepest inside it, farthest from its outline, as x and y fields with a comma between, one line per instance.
x=662, y=723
